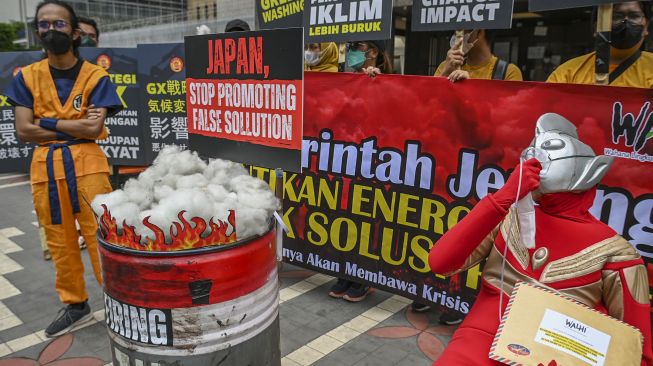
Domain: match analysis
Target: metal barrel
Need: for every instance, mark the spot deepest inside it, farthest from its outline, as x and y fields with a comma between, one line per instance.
x=208, y=306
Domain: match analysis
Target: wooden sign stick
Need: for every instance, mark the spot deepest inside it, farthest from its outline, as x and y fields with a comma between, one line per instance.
x=603, y=29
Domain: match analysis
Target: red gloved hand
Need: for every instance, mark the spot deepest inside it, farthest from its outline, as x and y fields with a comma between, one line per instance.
x=530, y=181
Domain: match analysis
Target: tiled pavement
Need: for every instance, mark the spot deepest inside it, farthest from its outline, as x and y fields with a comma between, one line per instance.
x=315, y=329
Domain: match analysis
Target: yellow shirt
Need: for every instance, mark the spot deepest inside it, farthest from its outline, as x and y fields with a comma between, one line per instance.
x=580, y=70
x=485, y=71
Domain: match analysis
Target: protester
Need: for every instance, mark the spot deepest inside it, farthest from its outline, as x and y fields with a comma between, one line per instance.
x=90, y=37
x=89, y=32
x=629, y=65
x=68, y=168
x=321, y=57
x=370, y=58
x=474, y=60
x=556, y=242
x=236, y=25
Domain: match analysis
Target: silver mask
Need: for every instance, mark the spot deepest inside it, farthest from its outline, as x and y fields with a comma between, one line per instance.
x=568, y=165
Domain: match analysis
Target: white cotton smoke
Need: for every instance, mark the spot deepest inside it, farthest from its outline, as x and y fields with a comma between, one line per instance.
x=181, y=181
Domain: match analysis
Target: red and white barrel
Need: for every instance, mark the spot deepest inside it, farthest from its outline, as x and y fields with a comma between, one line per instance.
x=206, y=306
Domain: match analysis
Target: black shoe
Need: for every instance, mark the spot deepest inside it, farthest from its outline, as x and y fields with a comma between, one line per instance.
x=419, y=308
x=339, y=289
x=68, y=319
x=451, y=319
x=357, y=292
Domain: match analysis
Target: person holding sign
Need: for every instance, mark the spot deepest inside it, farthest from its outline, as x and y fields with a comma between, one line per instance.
x=321, y=57
x=557, y=243
x=629, y=65
x=61, y=104
x=471, y=58
x=370, y=58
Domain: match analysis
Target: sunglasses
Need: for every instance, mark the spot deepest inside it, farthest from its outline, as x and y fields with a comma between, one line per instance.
x=57, y=24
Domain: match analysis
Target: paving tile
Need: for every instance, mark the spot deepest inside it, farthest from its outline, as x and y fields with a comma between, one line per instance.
x=8, y=246
x=328, y=360
x=7, y=290
x=14, y=332
x=24, y=342
x=4, y=350
x=325, y=344
x=288, y=362
x=350, y=353
x=7, y=318
x=390, y=354
x=361, y=324
x=305, y=356
x=372, y=360
x=414, y=360
x=10, y=232
x=8, y=265
x=392, y=305
x=344, y=334
x=287, y=294
x=377, y=314
x=319, y=279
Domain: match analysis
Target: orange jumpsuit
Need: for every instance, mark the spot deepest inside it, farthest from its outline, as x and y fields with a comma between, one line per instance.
x=67, y=175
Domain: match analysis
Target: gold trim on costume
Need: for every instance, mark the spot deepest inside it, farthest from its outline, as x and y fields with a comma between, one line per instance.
x=519, y=251
x=588, y=260
x=637, y=282
x=613, y=296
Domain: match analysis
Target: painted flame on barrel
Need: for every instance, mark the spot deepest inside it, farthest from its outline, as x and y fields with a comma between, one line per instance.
x=184, y=235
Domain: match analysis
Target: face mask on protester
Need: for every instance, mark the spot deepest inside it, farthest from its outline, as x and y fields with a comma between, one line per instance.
x=56, y=42
x=626, y=35
x=356, y=59
x=312, y=58
x=467, y=45
x=88, y=42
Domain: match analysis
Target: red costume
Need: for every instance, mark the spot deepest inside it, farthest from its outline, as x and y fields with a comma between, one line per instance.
x=575, y=253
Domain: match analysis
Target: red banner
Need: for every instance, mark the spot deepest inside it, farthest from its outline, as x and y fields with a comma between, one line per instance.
x=392, y=162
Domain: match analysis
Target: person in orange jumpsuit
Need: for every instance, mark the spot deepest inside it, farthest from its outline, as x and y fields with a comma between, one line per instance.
x=571, y=251
x=61, y=104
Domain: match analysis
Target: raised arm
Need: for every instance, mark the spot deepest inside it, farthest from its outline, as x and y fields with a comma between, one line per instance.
x=471, y=239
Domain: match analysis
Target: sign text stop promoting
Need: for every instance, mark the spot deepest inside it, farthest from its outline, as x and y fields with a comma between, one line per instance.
x=245, y=110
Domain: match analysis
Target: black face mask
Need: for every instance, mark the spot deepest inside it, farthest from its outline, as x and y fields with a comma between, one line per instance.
x=626, y=35
x=56, y=42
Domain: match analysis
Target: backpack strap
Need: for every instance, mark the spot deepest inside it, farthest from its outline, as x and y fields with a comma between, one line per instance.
x=500, y=70
x=625, y=65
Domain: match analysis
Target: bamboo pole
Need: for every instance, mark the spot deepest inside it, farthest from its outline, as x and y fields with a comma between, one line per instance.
x=603, y=29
